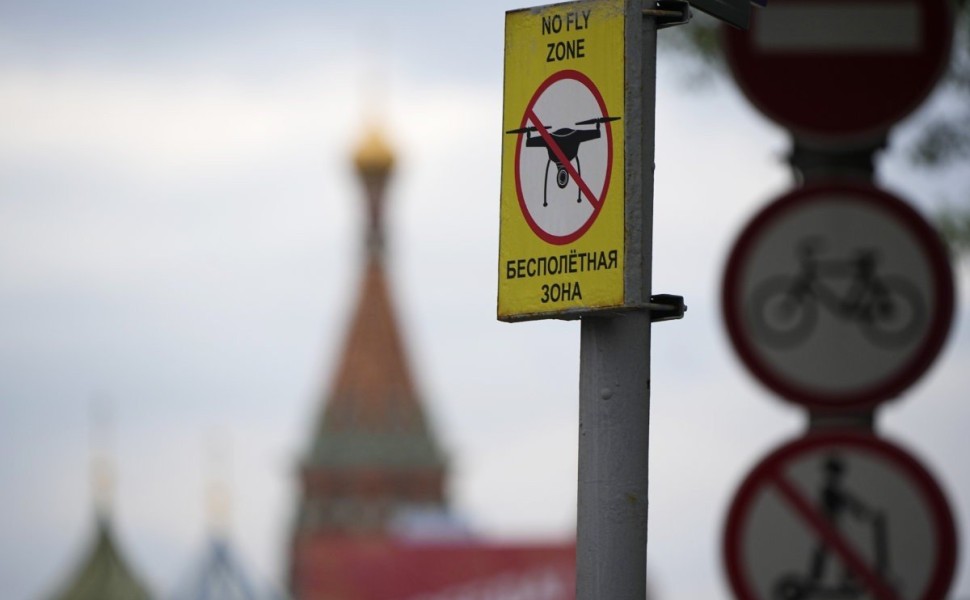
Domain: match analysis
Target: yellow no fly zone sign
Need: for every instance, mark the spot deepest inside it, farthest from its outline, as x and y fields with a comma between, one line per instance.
x=561, y=233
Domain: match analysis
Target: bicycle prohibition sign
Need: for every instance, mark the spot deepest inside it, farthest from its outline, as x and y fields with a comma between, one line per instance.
x=838, y=296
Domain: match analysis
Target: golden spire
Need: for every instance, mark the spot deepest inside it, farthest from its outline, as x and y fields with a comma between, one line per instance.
x=374, y=155
x=374, y=161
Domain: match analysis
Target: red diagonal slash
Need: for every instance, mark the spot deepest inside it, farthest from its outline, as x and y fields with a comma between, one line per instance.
x=567, y=164
x=831, y=536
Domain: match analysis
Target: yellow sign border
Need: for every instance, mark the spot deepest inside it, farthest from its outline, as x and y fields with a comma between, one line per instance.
x=542, y=278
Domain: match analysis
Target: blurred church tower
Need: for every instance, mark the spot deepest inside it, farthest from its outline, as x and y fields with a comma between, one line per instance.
x=373, y=460
x=103, y=573
x=220, y=575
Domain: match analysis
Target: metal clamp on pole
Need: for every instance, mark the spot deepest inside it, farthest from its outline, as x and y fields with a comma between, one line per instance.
x=668, y=13
x=666, y=307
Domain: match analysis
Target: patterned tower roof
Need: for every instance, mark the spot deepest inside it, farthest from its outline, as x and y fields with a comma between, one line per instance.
x=103, y=574
x=373, y=453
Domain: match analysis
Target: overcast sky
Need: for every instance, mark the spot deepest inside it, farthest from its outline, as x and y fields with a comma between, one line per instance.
x=180, y=235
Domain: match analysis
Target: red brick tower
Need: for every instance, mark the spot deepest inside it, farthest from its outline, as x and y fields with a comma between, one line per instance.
x=373, y=455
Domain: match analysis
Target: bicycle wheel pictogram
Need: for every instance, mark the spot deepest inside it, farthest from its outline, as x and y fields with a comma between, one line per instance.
x=888, y=310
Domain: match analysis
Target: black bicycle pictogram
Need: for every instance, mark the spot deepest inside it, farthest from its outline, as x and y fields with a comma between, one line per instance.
x=783, y=309
x=834, y=502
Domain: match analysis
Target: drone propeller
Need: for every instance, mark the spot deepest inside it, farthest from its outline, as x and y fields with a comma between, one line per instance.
x=599, y=120
x=525, y=129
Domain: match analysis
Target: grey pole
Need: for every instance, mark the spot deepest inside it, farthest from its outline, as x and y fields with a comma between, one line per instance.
x=614, y=379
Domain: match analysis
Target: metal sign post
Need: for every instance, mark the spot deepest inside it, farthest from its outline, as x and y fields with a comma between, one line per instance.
x=614, y=372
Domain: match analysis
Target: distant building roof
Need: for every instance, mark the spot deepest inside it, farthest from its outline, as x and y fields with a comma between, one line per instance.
x=104, y=574
x=220, y=576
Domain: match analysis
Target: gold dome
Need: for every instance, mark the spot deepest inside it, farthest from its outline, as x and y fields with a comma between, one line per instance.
x=374, y=153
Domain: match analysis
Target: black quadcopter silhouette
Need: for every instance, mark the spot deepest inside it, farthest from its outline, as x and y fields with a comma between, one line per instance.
x=568, y=141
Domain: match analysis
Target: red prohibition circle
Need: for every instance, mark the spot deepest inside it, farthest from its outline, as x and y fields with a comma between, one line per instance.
x=598, y=206
x=880, y=391
x=943, y=524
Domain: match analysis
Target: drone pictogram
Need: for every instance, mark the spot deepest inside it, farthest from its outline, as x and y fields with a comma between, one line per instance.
x=566, y=140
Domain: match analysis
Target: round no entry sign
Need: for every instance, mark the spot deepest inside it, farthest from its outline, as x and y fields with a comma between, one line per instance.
x=840, y=515
x=838, y=296
x=841, y=71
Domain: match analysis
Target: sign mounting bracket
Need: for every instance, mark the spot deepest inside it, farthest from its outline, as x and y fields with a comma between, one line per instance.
x=733, y=12
x=666, y=307
x=668, y=13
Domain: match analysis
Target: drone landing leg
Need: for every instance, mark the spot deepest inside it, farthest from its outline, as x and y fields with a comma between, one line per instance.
x=545, y=186
x=579, y=172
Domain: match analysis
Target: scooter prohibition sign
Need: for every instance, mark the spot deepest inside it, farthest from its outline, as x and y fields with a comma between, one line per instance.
x=563, y=157
x=840, y=515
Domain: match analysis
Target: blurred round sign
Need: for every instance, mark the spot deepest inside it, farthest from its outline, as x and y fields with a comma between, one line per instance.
x=841, y=72
x=840, y=515
x=838, y=296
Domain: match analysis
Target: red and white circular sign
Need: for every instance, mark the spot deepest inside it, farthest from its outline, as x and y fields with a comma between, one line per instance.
x=838, y=296
x=564, y=157
x=840, y=515
x=841, y=71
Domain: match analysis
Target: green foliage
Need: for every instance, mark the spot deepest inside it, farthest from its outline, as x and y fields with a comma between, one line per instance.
x=697, y=49
x=946, y=139
x=943, y=141
x=954, y=225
